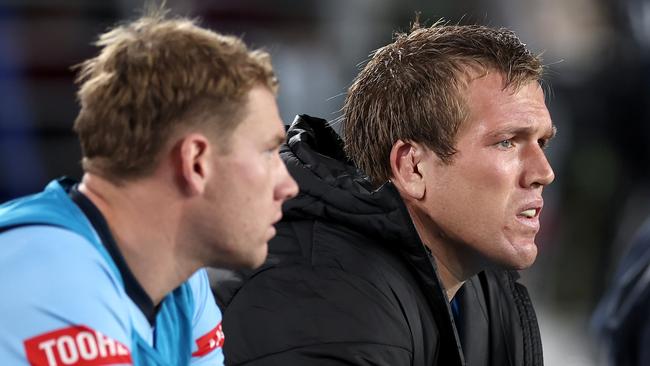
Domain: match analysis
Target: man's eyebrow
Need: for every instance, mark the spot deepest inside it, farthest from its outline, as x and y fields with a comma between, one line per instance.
x=523, y=130
x=278, y=139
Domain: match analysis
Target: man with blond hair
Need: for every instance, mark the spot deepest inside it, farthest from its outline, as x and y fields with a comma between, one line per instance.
x=403, y=246
x=180, y=136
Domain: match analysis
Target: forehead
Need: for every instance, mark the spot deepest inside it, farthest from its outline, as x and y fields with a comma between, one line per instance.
x=491, y=107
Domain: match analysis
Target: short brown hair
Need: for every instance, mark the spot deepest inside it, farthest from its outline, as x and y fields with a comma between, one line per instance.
x=154, y=75
x=411, y=89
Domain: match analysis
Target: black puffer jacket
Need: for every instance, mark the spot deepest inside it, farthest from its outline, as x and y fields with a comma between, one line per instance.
x=349, y=282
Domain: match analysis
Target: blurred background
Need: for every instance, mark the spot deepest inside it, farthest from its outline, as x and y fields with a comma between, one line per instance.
x=598, y=57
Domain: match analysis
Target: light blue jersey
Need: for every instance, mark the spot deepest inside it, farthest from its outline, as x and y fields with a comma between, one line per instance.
x=68, y=299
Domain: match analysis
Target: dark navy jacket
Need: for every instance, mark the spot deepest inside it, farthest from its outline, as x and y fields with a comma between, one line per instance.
x=622, y=320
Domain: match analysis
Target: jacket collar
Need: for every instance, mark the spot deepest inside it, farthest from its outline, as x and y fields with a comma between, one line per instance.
x=332, y=189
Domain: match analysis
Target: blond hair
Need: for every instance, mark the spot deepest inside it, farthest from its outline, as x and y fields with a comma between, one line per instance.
x=154, y=75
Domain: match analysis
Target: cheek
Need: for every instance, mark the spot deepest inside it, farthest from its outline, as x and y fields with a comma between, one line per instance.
x=252, y=182
x=474, y=177
x=490, y=177
x=480, y=191
x=252, y=170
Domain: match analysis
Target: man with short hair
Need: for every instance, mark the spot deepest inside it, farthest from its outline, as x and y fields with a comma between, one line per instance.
x=180, y=136
x=403, y=251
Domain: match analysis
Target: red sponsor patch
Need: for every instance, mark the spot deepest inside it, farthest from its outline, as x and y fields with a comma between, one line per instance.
x=209, y=341
x=78, y=345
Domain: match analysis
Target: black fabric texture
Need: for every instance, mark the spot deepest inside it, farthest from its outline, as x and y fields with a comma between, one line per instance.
x=349, y=282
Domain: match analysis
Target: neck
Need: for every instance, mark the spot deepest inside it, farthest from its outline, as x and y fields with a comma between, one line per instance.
x=451, y=261
x=143, y=221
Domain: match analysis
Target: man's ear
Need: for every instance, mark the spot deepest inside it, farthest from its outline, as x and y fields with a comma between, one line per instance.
x=194, y=163
x=406, y=176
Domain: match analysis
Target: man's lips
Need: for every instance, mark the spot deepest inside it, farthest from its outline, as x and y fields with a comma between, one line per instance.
x=530, y=209
x=528, y=214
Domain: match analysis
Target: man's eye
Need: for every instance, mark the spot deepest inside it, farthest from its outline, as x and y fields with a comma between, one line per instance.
x=273, y=151
x=506, y=144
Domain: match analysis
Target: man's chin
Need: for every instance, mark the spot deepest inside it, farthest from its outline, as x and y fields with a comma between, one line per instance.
x=517, y=256
x=257, y=258
x=524, y=257
x=251, y=259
